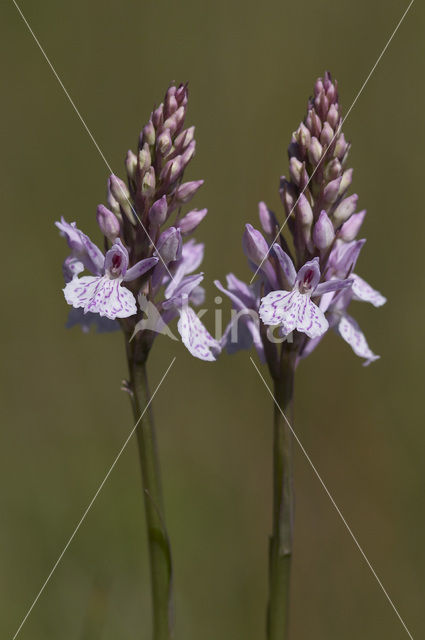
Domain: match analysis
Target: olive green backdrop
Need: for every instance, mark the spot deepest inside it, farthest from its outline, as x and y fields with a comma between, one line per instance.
x=251, y=68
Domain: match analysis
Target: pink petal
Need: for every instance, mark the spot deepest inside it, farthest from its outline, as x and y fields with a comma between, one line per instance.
x=363, y=291
x=350, y=331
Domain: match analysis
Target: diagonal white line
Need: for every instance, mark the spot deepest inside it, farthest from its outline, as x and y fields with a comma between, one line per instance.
x=334, y=136
x=83, y=517
x=347, y=526
x=102, y=155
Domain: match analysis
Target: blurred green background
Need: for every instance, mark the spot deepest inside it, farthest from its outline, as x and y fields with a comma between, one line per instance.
x=251, y=68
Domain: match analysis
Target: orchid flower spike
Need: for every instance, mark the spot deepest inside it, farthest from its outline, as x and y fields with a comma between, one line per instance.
x=148, y=255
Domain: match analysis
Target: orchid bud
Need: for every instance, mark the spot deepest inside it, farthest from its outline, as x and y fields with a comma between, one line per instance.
x=188, y=154
x=295, y=170
x=187, y=190
x=304, y=212
x=323, y=232
x=304, y=219
x=149, y=133
x=315, y=151
x=341, y=147
x=287, y=195
x=346, y=180
x=164, y=142
x=267, y=218
x=108, y=223
x=333, y=116
x=327, y=134
x=254, y=245
x=121, y=194
x=333, y=169
x=171, y=104
x=181, y=95
x=351, y=227
x=149, y=182
x=184, y=138
x=158, y=212
x=158, y=116
x=313, y=123
x=345, y=209
x=191, y=220
x=330, y=192
x=113, y=204
x=171, y=170
x=131, y=164
x=144, y=158
x=169, y=245
x=303, y=137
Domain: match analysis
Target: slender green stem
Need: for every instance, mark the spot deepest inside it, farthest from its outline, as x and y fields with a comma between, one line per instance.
x=159, y=547
x=283, y=502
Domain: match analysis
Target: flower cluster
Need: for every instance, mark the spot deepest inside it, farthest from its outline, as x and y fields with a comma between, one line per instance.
x=307, y=289
x=147, y=259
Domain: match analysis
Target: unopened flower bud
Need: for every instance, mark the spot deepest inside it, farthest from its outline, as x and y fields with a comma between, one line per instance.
x=346, y=180
x=318, y=86
x=323, y=232
x=144, y=158
x=171, y=104
x=169, y=245
x=131, y=164
x=341, y=147
x=149, y=133
x=108, y=223
x=189, y=153
x=351, y=227
x=287, y=195
x=313, y=123
x=187, y=190
x=333, y=116
x=254, y=245
x=345, y=209
x=191, y=220
x=184, y=138
x=149, y=182
x=295, y=170
x=330, y=192
x=267, y=218
x=158, y=116
x=181, y=95
x=164, y=142
x=327, y=134
x=121, y=194
x=333, y=169
x=304, y=212
x=315, y=151
x=118, y=189
x=171, y=170
x=158, y=212
x=303, y=137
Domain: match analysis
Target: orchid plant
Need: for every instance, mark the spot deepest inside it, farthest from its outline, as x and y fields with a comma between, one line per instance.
x=147, y=265
x=305, y=284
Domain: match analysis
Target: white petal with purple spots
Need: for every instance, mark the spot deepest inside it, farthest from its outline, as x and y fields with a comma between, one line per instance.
x=293, y=310
x=195, y=337
x=363, y=291
x=350, y=331
x=102, y=295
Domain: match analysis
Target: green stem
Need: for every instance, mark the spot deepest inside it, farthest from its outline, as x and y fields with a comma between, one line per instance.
x=159, y=547
x=283, y=502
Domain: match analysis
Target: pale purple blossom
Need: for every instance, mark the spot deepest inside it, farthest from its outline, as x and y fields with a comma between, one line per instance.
x=307, y=283
x=148, y=260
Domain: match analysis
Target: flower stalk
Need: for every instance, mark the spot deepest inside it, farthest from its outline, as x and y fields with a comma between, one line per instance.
x=158, y=541
x=280, y=553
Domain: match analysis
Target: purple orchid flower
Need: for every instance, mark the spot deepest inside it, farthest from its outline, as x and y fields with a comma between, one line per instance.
x=144, y=262
x=294, y=309
x=309, y=291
